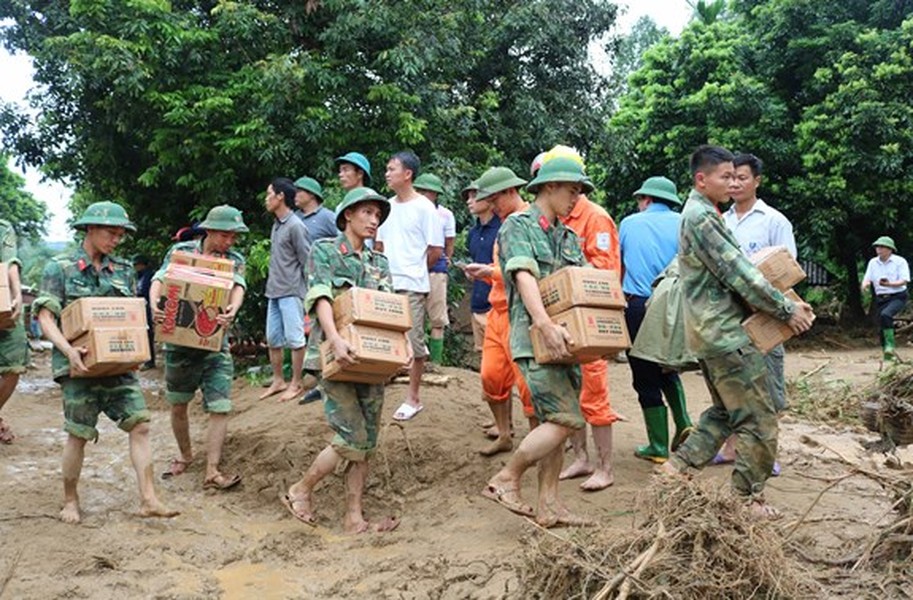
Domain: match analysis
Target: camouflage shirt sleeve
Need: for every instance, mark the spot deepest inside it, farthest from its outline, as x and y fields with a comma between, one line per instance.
x=386, y=279
x=8, y=245
x=320, y=274
x=515, y=248
x=240, y=267
x=52, y=293
x=724, y=258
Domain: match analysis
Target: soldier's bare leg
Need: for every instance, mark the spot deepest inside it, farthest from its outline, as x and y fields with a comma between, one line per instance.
x=300, y=494
x=73, y=455
x=581, y=466
x=141, y=457
x=180, y=426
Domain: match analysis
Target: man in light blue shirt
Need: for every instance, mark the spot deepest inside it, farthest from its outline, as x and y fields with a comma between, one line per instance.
x=889, y=274
x=319, y=220
x=649, y=242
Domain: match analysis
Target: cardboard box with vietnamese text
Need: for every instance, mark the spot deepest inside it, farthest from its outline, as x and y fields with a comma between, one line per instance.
x=778, y=266
x=361, y=306
x=223, y=267
x=581, y=286
x=767, y=332
x=85, y=314
x=379, y=353
x=192, y=302
x=595, y=332
x=112, y=351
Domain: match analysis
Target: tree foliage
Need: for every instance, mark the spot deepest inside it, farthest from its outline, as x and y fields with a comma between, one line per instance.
x=27, y=214
x=820, y=91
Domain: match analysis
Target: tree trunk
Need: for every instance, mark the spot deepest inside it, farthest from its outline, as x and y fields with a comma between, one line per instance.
x=852, y=311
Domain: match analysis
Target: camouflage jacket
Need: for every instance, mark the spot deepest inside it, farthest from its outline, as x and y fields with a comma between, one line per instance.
x=72, y=276
x=8, y=243
x=718, y=283
x=333, y=268
x=527, y=241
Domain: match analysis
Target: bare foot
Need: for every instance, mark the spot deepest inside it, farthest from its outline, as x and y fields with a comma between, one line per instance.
x=362, y=526
x=600, y=480
x=291, y=393
x=156, y=509
x=562, y=518
x=299, y=505
x=579, y=468
x=496, y=447
x=761, y=511
x=668, y=470
x=6, y=434
x=274, y=388
x=70, y=512
x=507, y=494
x=488, y=424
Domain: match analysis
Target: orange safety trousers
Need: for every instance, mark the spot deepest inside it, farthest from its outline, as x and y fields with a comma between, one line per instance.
x=594, y=394
x=499, y=372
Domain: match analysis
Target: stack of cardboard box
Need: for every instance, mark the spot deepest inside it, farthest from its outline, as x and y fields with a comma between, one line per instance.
x=589, y=303
x=196, y=289
x=114, y=331
x=374, y=323
x=6, y=299
x=783, y=272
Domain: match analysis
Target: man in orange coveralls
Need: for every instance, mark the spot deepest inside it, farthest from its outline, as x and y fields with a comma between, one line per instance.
x=500, y=186
x=599, y=239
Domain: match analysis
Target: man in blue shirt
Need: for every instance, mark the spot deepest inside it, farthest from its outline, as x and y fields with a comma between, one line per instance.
x=481, y=240
x=319, y=220
x=649, y=242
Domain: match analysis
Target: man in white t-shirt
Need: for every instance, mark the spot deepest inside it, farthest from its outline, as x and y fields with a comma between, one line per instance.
x=431, y=187
x=887, y=275
x=413, y=240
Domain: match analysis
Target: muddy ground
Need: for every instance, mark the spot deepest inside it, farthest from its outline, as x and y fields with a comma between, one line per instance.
x=452, y=542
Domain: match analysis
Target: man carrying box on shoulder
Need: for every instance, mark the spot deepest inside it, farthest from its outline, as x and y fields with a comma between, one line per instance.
x=353, y=410
x=532, y=245
x=188, y=369
x=91, y=271
x=13, y=343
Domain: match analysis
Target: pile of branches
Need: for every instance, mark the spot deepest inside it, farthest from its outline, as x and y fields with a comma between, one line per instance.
x=688, y=540
x=887, y=407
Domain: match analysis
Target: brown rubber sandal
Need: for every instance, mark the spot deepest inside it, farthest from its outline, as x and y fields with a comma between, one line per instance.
x=177, y=467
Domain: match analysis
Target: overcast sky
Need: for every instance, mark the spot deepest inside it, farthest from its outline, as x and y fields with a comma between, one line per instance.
x=17, y=81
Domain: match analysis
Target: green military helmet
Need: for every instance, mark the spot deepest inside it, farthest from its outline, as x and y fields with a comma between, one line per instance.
x=886, y=242
x=497, y=179
x=660, y=188
x=427, y=181
x=472, y=187
x=357, y=196
x=561, y=169
x=359, y=160
x=309, y=184
x=104, y=213
x=224, y=218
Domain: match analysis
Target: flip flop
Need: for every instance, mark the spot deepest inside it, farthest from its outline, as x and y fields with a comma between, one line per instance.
x=775, y=471
x=289, y=503
x=406, y=412
x=177, y=467
x=222, y=482
x=383, y=526
x=497, y=494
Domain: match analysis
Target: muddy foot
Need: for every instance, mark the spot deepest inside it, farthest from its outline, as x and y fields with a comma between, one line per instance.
x=70, y=513
x=564, y=518
x=578, y=468
x=600, y=480
x=761, y=511
x=497, y=447
x=157, y=510
x=384, y=525
x=291, y=393
x=299, y=506
x=273, y=389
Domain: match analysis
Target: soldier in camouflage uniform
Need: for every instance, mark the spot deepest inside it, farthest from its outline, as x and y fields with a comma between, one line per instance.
x=90, y=270
x=532, y=245
x=189, y=369
x=352, y=409
x=717, y=281
x=13, y=344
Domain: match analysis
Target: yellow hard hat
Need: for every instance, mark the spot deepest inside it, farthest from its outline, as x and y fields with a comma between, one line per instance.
x=563, y=152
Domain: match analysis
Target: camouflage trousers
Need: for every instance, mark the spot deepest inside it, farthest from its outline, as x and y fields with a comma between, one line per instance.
x=742, y=405
x=14, y=349
x=776, y=378
x=190, y=369
x=554, y=391
x=118, y=396
x=353, y=413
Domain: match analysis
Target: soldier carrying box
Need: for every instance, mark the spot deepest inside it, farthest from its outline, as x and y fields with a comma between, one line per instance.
x=91, y=270
x=13, y=344
x=212, y=369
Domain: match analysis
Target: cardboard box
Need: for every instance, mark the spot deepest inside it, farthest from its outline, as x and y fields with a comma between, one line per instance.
x=6, y=299
x=768, y=332
x=596, y=333
x=223, y=267
x=360, y=306
x=191, y=302
x=581, y=286
x=79, y=317
x=778, y=266
x=380, y=354
x=113, y=351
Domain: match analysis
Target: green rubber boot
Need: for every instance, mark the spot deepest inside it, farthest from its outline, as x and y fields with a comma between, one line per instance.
x=657, y=421
x=436, y=350
x=675, y=398
x=887, y=336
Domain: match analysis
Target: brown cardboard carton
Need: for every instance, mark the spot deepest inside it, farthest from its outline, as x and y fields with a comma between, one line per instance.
x=222, y=267
x=6, y=299
x=112, y=351
x=596, y=332
x=380, y=354
x=84, y=314
x=191, y=302
x=360, y=306
x=581, y=286
x=778, y=266
x=767, y=332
